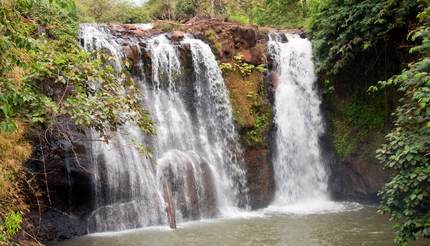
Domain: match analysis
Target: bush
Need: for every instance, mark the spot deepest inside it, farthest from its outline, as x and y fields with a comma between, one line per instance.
x=46, y=76
x=406, y=197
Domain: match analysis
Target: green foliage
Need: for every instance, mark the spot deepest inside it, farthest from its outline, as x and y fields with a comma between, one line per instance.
x=119, y=11
x=341, y=30
x=45, y=74
x=344, y=144
x=251, y=110
x=346, y=34
x=256, y=136
x=10, y=226
x=238, y=15
x=406, y=197
x=186, y=9
x=241, y=66
x=355, y=123
x=281, y=13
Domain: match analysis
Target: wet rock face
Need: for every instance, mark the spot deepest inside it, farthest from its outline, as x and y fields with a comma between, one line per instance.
x=357, y=181
x=352, y=179
x=58, y=226
x=68, y=185
x=189, y=185
x=261, y=183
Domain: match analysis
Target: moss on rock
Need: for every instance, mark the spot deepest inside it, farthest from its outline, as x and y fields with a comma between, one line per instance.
x=251, y=109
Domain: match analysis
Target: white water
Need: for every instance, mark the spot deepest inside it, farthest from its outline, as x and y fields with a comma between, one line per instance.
x=300, y=175
x=217, y=134
x=195, y=149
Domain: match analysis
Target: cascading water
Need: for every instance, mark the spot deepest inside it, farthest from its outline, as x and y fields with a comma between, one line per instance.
x=216, y=131
x=196, y=164
x=126, y=190
x=300, y=175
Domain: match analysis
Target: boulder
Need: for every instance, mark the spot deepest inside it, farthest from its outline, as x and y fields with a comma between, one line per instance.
x=176, y=36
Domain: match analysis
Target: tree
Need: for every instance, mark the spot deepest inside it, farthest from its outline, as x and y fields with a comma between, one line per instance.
x=406, y=198
x=121, y=11
x=98, y=8
x=348, y=34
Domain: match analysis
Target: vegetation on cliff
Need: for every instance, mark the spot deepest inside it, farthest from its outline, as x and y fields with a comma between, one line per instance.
x=406, y=198
x=251, y=110
x=347, y=35
x=44, y=77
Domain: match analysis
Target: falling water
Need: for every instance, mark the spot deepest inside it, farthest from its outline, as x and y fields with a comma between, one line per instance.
x=216, y=131
x=300, y=175
x=196, y=165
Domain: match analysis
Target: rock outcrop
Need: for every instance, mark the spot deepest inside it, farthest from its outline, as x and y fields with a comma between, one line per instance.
x=356, y=178
x=63, y=155
x=357, y=181
x=261, y=184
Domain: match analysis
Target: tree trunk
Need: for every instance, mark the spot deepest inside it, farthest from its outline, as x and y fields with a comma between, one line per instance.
x=212, y=8
x=170, y=205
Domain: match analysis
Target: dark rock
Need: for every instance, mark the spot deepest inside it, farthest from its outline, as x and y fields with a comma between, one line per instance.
x=357, y=181
x=260, y=177
x=56, y=225
x=353, y=179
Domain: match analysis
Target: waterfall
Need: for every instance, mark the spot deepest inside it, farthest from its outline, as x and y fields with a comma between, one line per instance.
x=195, y=166
x=215, y=124
x=300, y=175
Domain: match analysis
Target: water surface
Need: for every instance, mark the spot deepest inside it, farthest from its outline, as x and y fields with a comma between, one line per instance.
x=359, y=227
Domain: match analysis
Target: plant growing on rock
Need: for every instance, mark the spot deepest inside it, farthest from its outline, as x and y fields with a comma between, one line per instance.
x=241, y=66
x=251, y=110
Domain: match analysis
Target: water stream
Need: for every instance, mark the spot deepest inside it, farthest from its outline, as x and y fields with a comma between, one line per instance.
x=195, y=171
x=300, y=174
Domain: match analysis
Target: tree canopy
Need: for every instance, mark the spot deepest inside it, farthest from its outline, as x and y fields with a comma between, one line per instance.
x=343, y=32
x=46, y=76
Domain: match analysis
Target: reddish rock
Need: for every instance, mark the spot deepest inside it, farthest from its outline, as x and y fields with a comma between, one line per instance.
x=260, y=177
x=131, y=53
x=255, y=55
x=275, y=79
x=194, y=199
x=170, y=205
x=176, y=36
x=125, y=30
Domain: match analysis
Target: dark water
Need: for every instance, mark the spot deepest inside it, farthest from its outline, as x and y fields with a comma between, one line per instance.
x=362, y=227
